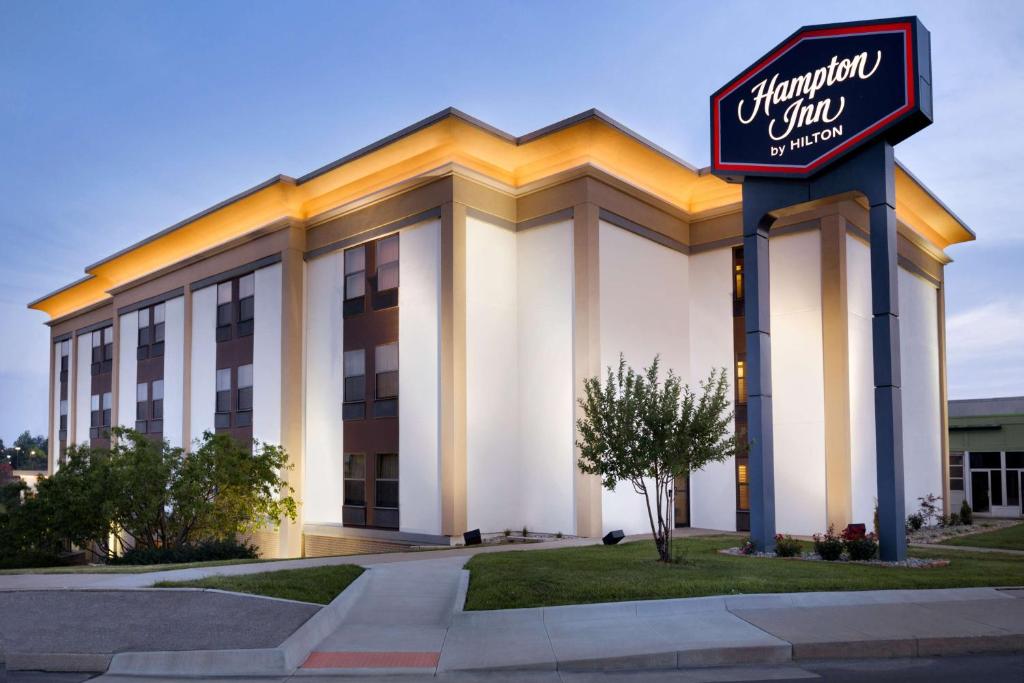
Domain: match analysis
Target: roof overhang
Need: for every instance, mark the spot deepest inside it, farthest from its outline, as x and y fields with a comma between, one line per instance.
x=453, y=138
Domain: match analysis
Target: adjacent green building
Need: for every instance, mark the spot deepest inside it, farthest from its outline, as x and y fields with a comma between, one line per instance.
x=986, y=455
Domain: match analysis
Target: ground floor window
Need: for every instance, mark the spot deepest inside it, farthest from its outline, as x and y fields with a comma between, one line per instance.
x=371, y=490
x=994, y=480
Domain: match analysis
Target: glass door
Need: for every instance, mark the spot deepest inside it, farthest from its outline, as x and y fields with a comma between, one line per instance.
x=681, y=498
x=980, y=491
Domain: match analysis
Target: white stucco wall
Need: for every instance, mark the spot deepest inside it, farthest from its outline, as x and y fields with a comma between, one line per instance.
x=127, y=368
x=203, y=385
x=798, y=397
x=644, y=311
x=419, y=378
x=323, y=490
x=492, y=378
x=546, y=394
x=919, y=356
x=713, y=489
x=266, y=356
x=83, y=370
x=863, y=483
x=174, y=370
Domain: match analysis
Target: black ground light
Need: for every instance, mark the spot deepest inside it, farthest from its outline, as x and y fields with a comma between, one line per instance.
x=472, y=537
x=613, y=537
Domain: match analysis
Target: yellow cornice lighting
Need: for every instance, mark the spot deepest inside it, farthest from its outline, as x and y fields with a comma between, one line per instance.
x=454, y=138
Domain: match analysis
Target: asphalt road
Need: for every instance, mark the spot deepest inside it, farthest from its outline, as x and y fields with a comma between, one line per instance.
x=987, y=668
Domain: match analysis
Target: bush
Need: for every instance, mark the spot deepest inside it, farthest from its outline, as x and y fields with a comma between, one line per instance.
x=954, y=519
x=966, y=513
x=828, y=545
x=786, y=546
x=915, y=522
x=858, y=545
x=747, y=548
x=206, y=551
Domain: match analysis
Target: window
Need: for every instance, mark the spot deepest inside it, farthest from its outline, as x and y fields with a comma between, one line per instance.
x=65, y=353
x=102, y=350
x=986, y=461
x=354, y=407
x=151, y=332
x=224, y=309
x=387, y=480
x=63, y=419
x=222, y=419
x=956, y=471
x=355, y=273
x=156, y=412
x=246, y=304
x=355, y=479
x=742, y=487
x=386, y=367
x=737, y=281
x=243, y=402
x=387, y=263
x=741, y=380
x=141, y=406
x=100, y=407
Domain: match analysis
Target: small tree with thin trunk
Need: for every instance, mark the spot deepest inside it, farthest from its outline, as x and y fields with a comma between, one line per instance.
x=637, y=429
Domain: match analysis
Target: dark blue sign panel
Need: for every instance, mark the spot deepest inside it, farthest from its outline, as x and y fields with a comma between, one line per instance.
x=820, y=94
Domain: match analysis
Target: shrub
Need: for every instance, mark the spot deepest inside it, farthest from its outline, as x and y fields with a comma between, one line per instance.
x=954, y=519
x=828, y=545
x=915, y=522
x=747, y=548
x=786, y=546
x=859, y=546
x=929, y=508
x=966, y=513
x=206, y=551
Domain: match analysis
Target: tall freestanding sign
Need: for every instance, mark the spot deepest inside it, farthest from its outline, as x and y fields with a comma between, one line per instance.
x=816, y=117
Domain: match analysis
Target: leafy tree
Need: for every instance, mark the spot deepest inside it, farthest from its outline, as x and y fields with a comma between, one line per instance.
x=638, y=429
x=149, y=495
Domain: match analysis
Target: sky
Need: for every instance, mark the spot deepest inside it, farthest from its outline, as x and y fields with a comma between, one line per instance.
x=120, y=119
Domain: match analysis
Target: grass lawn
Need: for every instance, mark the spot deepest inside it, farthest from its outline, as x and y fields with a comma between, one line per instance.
x=124, y=568
x=316, y=584
x=629, y=571
x=1007, y=538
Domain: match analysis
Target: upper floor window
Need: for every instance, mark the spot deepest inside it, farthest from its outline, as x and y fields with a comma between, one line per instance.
x=149, y=407
x=354, y=398
x=103, y=350
x=63, y=428
x=236, y=307
x=151, y=332
x=64, y=348
x=387, y=263
x=100, y=407
x=222, y=418
x=243, y=397
x=741, y=380
x=386, y=381
x=355, y=272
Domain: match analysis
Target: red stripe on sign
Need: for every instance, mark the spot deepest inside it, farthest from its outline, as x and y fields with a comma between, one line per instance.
x=371, y=660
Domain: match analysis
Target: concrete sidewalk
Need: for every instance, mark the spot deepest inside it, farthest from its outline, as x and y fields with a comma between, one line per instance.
x=401, y=624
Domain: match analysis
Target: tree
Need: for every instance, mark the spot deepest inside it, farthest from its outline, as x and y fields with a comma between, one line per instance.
x=638, y=429
x=149, y=495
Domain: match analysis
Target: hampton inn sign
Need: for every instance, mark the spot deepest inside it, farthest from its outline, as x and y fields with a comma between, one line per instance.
x=813, y=119
x=821, y=93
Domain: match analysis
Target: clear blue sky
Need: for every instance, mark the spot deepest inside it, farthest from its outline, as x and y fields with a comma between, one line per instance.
x=119, y=119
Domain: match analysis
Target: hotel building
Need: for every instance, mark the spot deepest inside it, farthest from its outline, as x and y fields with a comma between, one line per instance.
x=414, y=322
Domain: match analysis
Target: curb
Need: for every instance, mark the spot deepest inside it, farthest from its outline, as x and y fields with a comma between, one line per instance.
x=460, y=593
x=277, y=661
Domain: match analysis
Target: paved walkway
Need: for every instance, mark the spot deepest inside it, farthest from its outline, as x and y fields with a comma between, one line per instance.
x=409, y=619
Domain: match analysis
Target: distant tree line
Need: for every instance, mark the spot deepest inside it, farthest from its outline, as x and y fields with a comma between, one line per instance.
x=26, y=453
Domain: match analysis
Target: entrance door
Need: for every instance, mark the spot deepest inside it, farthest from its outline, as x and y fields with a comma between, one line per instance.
x=681, y=498
x=980, y=491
